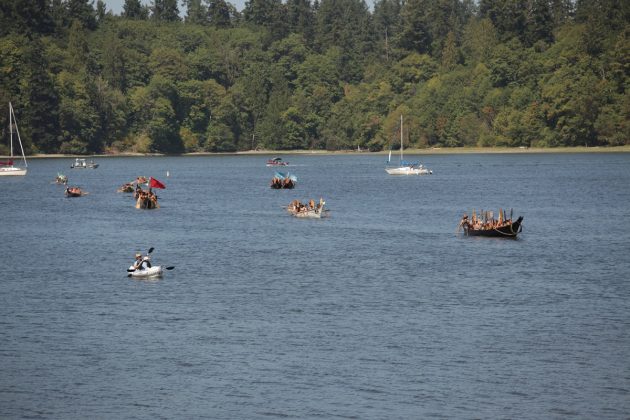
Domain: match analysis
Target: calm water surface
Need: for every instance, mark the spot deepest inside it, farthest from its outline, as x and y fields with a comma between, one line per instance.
x=379, y=311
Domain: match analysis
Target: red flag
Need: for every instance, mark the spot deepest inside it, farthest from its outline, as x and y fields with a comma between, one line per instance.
x=154, y=183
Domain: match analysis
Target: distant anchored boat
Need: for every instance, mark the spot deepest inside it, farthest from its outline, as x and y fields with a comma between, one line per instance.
x=83, y=164
x=487, y=225
x=277, y=162
x=405, y=168
x=6, y=167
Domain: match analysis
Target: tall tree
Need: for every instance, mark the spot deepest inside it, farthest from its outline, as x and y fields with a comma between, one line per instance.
x=415, y=34
x=506, y=15
x=196, y=12
x=387, y=23
x=219, y=13
x=165, y=10
x=133, y=9
x=82, y=11
x=539, y=22
x=25, y=16
x=270, y=14
x=300, y=18
x=41, y=102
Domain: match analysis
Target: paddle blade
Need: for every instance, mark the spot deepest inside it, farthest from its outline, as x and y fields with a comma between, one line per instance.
x=150, y=250
x=169, y=268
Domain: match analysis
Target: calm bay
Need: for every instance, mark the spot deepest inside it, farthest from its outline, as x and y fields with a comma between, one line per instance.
x=378, y=311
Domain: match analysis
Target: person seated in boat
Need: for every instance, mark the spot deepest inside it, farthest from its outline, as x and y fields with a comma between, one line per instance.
x=141, y=262
x=311, y=204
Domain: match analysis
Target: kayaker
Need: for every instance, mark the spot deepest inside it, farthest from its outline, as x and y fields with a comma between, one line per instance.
x=140, y=261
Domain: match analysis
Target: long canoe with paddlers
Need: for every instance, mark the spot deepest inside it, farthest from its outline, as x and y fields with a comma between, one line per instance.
x=74, y=192
x=148, y=199
x=281, y=180
x=486, y=225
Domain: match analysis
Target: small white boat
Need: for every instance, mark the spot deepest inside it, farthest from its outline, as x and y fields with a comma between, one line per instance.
x=155, y=271
x=409, y=169
x=405, y=168
x=83, y=164
x=6, y=167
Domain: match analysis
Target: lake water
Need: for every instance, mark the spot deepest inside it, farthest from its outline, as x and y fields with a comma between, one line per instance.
x=378, y=311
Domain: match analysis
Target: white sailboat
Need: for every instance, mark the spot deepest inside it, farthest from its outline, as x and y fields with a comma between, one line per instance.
x=6, y=167
x=405, y=168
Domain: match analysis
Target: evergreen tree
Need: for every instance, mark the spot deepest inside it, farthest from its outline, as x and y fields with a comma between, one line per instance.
x=387, y=24
x=300, y=18
x=165, y=10
x=219, y=13
x=196, y=12
x=507, y=16
x=133, y=9
x=270, y=14
x=82, y=11
x=415, y=34
x=539, y=23
x=41, y=103
x=29, y=17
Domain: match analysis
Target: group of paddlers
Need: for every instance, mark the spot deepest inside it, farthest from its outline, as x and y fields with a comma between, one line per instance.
x=75, y=191
x=61, y=179
x=297, y=207
x=278, y=183
x=145, y=199
x=486, y=225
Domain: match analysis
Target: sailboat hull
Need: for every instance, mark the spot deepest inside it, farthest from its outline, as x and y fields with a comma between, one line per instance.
x=407, y=170
x=12, y=171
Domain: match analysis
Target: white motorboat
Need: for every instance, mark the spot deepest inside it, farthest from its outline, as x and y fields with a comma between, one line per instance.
x=83, y=164
x=7, y=167
x=405, y=168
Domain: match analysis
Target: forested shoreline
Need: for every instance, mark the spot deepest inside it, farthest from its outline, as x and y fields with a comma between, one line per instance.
x=323, y=75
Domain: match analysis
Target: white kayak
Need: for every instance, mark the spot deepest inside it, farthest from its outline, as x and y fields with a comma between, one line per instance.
x=155, y=271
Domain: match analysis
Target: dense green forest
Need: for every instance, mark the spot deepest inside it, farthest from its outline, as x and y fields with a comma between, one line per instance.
x=201, y=76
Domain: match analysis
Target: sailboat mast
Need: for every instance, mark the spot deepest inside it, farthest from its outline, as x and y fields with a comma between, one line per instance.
x=401, y=137
x=11, y=126
x=17, y=131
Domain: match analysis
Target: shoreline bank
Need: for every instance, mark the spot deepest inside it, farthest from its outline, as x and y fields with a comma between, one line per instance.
x=432, y=151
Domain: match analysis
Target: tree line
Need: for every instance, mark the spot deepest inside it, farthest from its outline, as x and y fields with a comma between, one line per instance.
x=322, y=74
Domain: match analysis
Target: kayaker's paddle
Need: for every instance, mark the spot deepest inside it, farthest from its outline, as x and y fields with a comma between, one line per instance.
x=169, y=268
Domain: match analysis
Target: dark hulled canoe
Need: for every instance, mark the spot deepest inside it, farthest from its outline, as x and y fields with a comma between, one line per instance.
x=73, y=192
x=509, y=230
